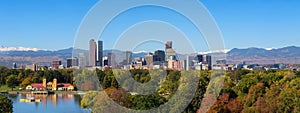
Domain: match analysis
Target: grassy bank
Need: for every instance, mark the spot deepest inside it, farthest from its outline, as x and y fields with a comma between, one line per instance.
x=6, y=88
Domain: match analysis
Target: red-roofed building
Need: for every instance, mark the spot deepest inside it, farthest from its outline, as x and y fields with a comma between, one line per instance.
x=65, y=87
x=36, y=86
x=50, y=86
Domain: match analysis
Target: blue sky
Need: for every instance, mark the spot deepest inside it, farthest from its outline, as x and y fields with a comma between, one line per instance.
x=50, y=24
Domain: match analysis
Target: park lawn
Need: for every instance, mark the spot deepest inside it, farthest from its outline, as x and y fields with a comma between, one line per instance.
x=6, y=88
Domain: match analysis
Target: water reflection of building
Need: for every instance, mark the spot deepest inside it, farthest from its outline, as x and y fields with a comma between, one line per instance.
x=44, y=100
x=67, y=103
x=54, y=100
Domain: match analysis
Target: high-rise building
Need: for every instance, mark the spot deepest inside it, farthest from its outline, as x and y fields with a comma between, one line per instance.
x=202, y=62
x=159, y=56
x=149, y=60
x=128, y=58
x=100, y=53
x=96, y=53
x=56, y=64
x=139, y=62
x=207, y=60
x=34, y=67
x=111, y=59
x=169, y=45
x=83, y=60
x=183, y=64
x=174, y=64
x=92, y=61
x=72, y=62
x=105, y=61
x=198, y=58
x=14, y=66
x=189, y=62
x=170, y=52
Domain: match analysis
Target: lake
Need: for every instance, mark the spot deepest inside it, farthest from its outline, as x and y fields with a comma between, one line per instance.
x=56, y=103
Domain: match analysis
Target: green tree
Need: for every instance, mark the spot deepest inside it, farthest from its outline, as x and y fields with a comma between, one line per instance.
x=88, y=99
x=12, y=81
x=106, y=81
x=295, y=84
x=238, y=74
x=28, y=72
x=297, y=73
x=254, y=92
x=271, y=96
x=145, y=102
x=100, y=75
x=260, y=105
x=246, y=82
x=6, y=105
x=25, y=82
x=289, y=100
x=235, y=105
x=220, y=106
x=119, y=96
x=271, y=78
x=4, y=72
x=21, y=76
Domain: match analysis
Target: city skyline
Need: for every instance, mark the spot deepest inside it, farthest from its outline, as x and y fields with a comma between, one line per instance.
x=214, y=56
x=259, y=26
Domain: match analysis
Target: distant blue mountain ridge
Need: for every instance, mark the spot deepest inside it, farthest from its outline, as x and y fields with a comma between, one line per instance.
x=291, y=51
x=290, y=54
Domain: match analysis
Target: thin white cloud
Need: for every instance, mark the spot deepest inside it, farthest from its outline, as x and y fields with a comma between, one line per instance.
x=4, y=49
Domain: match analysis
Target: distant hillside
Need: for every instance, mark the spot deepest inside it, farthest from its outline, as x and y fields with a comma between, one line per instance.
x=29, y=57
x=290, y=55
x=45, y=57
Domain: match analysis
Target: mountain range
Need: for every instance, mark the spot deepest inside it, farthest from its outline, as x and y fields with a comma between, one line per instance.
x=287, y=55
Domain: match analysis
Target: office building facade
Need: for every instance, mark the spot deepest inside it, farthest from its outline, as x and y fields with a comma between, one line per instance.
x=170, y=52
x=159, y=56
x=56, y=64
x=71, y=62
x=99, y=53
x=92, y=60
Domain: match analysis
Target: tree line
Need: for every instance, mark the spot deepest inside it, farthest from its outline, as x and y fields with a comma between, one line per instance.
x=242, y=90
x=276, y=91
x=21, y=77
x=273, y=91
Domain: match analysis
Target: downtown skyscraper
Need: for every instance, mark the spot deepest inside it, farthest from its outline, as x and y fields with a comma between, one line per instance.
x=93, y=52
x=170, y=52
x=96, y=53
x=100, y=53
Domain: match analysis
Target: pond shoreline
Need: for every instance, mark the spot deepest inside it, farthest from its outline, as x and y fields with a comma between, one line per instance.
x=49, y=103
x=33, y=92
